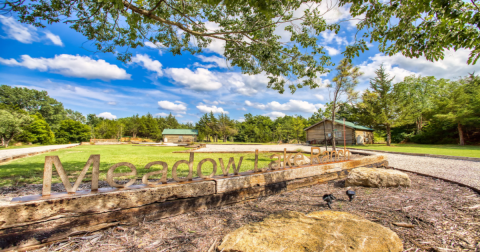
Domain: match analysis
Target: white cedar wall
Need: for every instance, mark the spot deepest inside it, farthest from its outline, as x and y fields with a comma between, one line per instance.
x=175, y=138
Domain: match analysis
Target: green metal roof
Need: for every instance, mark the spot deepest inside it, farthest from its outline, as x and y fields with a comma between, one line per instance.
x=347, y=124
x=180, y=132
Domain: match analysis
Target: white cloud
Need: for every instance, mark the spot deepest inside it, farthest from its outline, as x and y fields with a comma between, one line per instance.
x=54, y=38
x=17, y=31
x=218, y=61
x=330, y=36
x=453, y=66
x=178, y=115
x=200, y=80
x=216, y=46
x=206, y=109
x=161, y=114
x=173, y=106
x=107, y=115
x=332, y=51
x=291, y=105
x=25, y=33
x=248, y=84
x=275, y=114
x=241, y=119
x=73, y=66
x=156, y=45
x=112, y=103
x=151, y=65
x=320, y=97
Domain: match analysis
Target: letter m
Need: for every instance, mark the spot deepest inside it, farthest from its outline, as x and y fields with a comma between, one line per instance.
x=54, y=160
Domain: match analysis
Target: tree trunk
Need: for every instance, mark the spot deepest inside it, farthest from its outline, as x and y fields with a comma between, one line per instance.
x=3, y=142
x=334, y=146
x=460, y=134
x=134, y=135
x=388, y=135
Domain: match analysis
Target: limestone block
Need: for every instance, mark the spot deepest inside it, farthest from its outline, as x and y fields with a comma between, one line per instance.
x=377, y=177
x=317, y=231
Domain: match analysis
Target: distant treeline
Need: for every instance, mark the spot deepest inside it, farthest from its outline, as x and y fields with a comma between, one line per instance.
x=418, y=109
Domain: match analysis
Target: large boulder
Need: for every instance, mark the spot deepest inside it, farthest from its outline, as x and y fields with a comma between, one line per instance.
x=317, y=231
x=377, y=177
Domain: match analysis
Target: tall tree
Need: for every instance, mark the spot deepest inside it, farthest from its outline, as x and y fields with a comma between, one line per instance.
x=462, y=105
x=226, y=126
x=75, y=115
x=34, y=101
x=343, y=84
x=379, y=103
x=298, y=125
x=12, y=123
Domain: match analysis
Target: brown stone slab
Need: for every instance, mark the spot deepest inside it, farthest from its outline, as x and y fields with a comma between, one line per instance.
x=62, y=205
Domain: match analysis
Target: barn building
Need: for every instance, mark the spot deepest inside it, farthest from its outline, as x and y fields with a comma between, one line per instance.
x=316, y=134
x=179, y=135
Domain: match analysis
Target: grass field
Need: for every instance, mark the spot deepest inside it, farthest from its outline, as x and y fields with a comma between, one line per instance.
x=449, y=150
x=29, y=170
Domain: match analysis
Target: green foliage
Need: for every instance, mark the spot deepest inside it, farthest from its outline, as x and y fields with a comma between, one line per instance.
x=12, y=124
x=37, y=132
x=34, y=101
x=417, y=28
x=247, y=27
x=72, y=131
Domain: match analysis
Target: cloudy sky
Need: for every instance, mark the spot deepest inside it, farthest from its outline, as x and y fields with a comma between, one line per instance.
x=62, y=62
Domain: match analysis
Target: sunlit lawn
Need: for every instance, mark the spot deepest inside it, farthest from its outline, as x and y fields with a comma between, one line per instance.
x=446, y=149
x=221, y=142
x=29, y=170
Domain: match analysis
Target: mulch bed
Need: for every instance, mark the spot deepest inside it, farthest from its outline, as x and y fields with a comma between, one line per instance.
x=446, y=217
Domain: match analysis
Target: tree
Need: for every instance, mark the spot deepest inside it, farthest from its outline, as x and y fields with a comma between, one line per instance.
x=343, y=84
x=379, y=104
x=72, y=131
x=417, y=96
x=298, y=125
x=75, y=115
x=34, y=101
x=38, y=131
x=12, y=123
x=462, y=105
x=246, y=27
x=417, y=28
x=226, y=126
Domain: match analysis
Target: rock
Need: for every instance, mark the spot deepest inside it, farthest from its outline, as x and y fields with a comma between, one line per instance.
x=300, y=161
x=377, y=177
x=317, y=231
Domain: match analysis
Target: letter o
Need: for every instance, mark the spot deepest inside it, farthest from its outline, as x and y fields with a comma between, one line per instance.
x=111, y=175
x=199, y=168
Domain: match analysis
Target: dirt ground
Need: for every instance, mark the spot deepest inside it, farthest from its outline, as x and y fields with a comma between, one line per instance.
x=445, y=216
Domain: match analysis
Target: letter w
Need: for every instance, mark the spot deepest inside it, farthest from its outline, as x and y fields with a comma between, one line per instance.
x=232, y=163
x=54, y=160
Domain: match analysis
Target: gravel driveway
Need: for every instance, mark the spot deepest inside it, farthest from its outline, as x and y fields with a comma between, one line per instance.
x=462, y=171
x=24, y=151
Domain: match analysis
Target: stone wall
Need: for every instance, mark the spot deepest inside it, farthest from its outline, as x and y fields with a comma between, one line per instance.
x=34, y=221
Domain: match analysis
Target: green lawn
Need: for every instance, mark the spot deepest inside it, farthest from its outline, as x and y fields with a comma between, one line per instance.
x=447, y=149
x=221, y=142
x=29, y=170
x=20, y=147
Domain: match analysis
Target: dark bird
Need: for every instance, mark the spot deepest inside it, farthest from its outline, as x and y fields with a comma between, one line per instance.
x=329, y=198
x=351, y=194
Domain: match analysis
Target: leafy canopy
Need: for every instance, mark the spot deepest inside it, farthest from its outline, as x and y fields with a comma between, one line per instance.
x=420, y=27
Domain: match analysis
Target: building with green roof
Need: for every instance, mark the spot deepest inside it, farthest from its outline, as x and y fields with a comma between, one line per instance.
x=179, y=135
x=354, y=134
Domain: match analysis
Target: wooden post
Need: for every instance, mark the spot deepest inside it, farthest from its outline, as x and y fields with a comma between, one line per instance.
x=255, y=168
x=325, y=135
x=284, y=157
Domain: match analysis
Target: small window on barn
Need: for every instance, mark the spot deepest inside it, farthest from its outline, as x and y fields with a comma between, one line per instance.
x=338, y=134
x=180, y=138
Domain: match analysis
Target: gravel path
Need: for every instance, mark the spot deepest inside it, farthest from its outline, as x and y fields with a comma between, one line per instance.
x=24, y=151
x=462, y=171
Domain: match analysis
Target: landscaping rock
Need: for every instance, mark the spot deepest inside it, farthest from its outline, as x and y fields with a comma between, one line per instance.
x=317, y=231
x=377, y=177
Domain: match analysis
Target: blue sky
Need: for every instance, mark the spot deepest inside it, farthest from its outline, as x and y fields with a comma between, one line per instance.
x=63, y=62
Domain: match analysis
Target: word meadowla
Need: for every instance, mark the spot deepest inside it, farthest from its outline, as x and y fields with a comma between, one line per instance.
x=94, y=160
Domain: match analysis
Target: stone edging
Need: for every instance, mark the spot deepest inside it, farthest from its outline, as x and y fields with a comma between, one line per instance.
x=34, y=221
x=422, y=155
x=32, y=154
